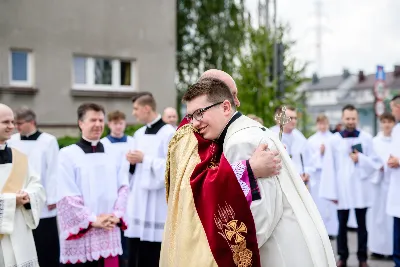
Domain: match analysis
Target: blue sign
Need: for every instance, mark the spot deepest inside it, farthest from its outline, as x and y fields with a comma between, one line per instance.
x=380, y=73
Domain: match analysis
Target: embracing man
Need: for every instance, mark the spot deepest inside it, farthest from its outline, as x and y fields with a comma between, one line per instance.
x=282, y=226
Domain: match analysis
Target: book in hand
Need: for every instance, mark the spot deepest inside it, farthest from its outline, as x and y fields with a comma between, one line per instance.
x=357, y=147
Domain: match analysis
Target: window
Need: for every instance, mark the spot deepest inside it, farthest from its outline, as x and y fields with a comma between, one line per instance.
x=21, y=66
x=95, y=73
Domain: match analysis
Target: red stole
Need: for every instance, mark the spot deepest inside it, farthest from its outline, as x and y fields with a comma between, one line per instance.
x=223, y=209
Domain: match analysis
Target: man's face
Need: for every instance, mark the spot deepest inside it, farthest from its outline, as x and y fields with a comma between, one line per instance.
x=350, y=119
x=323, y=126
x=387, y=126
x=92, y=124
x=170, y=117
x=25, y=127
x=213, y=120
x=6, y=125
x=117, y=127
x=395, y=110
x=140, y=112
x=292, y=124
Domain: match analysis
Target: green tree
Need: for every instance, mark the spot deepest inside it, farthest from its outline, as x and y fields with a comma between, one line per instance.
x=257, y=89
x=210, y=34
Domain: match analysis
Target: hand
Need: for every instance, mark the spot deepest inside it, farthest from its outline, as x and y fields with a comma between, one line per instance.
x=265, y=163
x=22, y=198
x=335, y=201
x=354, y=156
x=104, y=221
x=135, y=157
x=393, y=162
x=322, y=149
x=51, y=207
x=305, y=177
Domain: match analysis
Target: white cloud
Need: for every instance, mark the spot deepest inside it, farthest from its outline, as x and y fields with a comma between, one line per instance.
x=358, y=34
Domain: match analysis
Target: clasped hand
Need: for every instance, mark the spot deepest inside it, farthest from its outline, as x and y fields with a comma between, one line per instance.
x=106, y=221
x=22, y=198
x=354, y=156
x=393, y=162
x=135, y=157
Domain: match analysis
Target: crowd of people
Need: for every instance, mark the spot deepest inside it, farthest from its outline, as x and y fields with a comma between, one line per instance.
x=154, y=198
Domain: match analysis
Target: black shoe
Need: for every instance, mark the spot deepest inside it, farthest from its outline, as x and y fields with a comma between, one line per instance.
x=341, y=263
x=377, y=256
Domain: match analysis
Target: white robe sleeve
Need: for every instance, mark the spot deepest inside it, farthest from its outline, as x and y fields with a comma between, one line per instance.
x=328, y=187
x=308, y=161
x=7, y=212
x=123, y=188
x=51, y=175
x=156, y=166
x=267, y=210
x=37, y=198
x=369, y=162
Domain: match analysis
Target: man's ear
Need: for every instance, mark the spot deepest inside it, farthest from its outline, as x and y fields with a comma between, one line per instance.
x=227, y=106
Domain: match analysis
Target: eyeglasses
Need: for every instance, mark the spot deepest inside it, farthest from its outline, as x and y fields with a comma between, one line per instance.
x=198, y=114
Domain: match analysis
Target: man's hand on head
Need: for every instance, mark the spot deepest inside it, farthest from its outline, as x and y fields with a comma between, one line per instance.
x=264, y=162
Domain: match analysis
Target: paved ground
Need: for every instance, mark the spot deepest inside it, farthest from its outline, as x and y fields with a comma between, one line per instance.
x=353, y=262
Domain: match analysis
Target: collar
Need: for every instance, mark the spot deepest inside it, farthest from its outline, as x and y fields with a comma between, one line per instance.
x=32, y=136
x=149, y=125
x=349, y=134
x=222, y=136
x=113, y=139
x=3, y=146
x=89, y=142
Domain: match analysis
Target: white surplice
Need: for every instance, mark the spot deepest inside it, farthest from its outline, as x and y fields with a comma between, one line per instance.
x=393, y=206
x=380, y=233
x=17, y=247
x=326, y=208
x=289, y=228
x=43, y=155
x=344, y=180
x=90, y=184
x=296, y=146
x=147, y=208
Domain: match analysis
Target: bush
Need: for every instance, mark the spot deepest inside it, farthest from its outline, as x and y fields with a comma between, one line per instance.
x=69, y=140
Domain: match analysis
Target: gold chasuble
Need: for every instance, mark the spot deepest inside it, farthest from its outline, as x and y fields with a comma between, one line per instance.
x=209, y=222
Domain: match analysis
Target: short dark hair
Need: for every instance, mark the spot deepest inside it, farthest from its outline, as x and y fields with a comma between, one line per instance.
x=215, y=90
x=145, y=99
x=26, y=114
x=349, y=107
x=85, y=107
x=387, y=116
x=116, y=116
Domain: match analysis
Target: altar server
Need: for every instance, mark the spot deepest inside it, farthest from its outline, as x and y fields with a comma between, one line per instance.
x=316, y=145
x=348, y=165
x=92, y=191
x=21, y=200
x=393, y=203
x=147, y=208
x=42, y=150
x=380, y=241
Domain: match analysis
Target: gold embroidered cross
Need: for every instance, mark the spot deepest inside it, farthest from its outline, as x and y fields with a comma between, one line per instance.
x=282, y=119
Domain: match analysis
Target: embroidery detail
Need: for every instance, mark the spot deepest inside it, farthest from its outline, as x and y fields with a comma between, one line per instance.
x=30, y=263
x=239, y=169
x=234, y=232
x=1, y=210
x=213, y=162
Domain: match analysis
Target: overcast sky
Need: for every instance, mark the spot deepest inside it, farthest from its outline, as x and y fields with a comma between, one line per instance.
x=358, y=34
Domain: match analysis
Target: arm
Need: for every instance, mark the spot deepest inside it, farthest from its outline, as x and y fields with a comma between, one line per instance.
x=328, y=187
x=37, y=197
x=156, y=166
x=51, y=175
x=7, y=212
x=74, y=218
x=123, y=192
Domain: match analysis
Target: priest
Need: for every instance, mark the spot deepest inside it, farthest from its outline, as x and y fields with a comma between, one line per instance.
x=380, y=241
x=316, y=145
x=348, y=166
x=147, y=209
x=92, y=192
x=42, y=151
x=21, y=200
x=284, y=220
